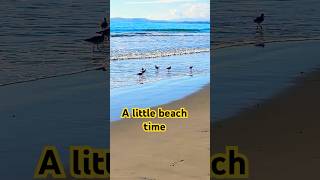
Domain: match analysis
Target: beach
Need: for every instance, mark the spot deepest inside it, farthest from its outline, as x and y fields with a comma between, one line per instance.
x=279, y=132
x=180, y=51
x=182, y=152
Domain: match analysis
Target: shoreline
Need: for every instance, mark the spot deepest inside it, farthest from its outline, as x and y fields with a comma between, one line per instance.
x=246, y=76
x=156, y=87
x=184, y=87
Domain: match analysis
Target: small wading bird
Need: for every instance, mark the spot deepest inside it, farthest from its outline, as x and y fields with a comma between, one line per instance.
x=105, y=32
x=142, y=72
x=190, y=68
x=157, y=67
x=259, y=20
x=96, y=40
x=104, y=24
x=168, y=68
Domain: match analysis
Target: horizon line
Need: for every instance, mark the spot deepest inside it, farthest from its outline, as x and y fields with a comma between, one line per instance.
x=181, y=19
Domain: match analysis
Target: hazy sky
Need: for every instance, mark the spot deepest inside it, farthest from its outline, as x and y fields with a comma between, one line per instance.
x=161, y=9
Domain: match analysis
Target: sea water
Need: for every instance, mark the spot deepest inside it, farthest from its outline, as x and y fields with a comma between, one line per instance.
x=143, y=43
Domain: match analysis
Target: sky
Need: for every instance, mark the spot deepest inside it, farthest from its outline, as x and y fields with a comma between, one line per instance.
x=161, y=9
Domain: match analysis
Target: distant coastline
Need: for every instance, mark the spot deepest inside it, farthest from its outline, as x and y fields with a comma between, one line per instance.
x=158, y=20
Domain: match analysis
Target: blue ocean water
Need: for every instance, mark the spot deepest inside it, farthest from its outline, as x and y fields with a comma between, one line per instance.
x=143, y=43
x=143, y=38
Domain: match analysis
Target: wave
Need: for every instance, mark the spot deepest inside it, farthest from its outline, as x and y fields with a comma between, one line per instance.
x=157, y=54
x=152, y=34
x=163, y=30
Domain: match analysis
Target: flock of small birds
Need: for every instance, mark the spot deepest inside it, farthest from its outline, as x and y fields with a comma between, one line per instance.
x=143, y=70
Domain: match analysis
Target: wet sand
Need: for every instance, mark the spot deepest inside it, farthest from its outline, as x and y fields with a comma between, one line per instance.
x=182, y=152
x=280, y=136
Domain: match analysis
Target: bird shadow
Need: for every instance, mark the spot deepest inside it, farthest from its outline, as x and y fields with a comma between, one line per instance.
x=259, y=40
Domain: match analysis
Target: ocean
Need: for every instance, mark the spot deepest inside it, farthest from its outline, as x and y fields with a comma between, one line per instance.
x=143, y=43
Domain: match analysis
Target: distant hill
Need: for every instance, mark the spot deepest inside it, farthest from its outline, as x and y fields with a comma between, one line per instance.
x=130, y=19
x=149, y=20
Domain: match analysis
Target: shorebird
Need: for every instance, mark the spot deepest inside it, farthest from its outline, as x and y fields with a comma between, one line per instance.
x=104, y=24
x=168, y=68
x=157, y=67
x=96, y=40
x=142, y=72
x=190, y=67
x=105, y=32
x=259, y=20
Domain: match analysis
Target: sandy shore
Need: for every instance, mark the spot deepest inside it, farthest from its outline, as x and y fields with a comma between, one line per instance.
x=280, y=136
x=180, y=153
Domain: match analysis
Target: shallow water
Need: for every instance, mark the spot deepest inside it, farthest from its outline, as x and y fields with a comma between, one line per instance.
x=156, y=87
x=124, y=73
x=233, y=19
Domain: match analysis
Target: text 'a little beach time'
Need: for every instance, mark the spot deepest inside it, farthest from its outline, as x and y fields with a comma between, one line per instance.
x=143, y=113
x=148, y=113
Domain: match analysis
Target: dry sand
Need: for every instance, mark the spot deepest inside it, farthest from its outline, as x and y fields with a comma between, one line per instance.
x=182, y=152
x=281, y=136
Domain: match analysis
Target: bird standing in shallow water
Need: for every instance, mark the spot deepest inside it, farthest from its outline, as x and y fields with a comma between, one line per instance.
x=259, y=20
x=168, y=68
x=105, y=32
x=96, y=40
x=157, y=67
x=190, y=68
x=104, y=24
x=142, y=72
